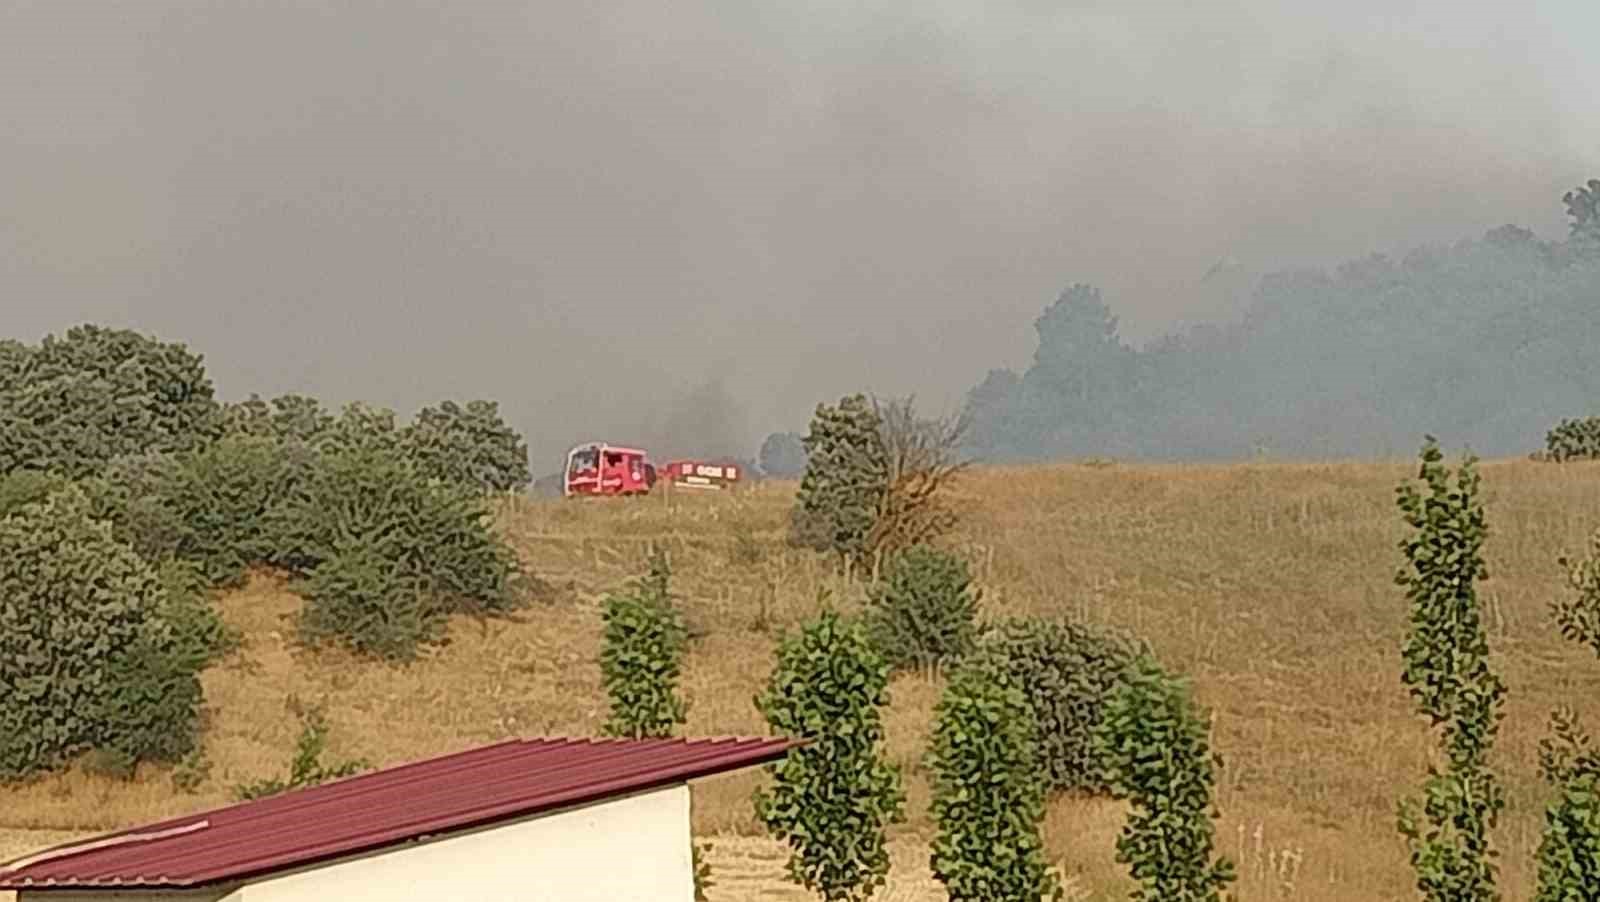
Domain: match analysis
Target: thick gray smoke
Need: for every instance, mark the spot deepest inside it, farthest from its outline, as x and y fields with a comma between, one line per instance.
x=590, y=211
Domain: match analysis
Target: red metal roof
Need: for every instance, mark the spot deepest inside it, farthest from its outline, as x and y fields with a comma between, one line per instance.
x=369, y=811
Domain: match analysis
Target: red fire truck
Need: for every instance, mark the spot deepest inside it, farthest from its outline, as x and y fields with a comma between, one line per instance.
x=596, y=468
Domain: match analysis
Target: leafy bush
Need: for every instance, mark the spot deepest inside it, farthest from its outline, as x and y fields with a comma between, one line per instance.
x=844, y=481
x=94, y=394
x=306, y=768
x=1569, y=853
x=210, y=507
x=24, y=487
x=384, y=553
x=988, y=798
x=362, y=427
x=87, y=659
x=470, y=446
x=1154, y=741
x=1573, y=440
x=1446, y=657
x=1071, y=671
x=925, y=611
x=702, y=869
x=643, y=656
x=832, y=798
x=288, y=418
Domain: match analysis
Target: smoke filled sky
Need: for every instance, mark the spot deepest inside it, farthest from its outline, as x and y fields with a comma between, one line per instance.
x=597, y=213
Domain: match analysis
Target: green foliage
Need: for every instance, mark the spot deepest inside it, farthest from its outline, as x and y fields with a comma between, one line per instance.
x=24, y=487
x=924, y=612
x=1569, y=853
x=288, y=418
x=88, y=660
x=306, y=768
x=470, y=446
x=384, y=553
x=210, y=507
x=94, y=394
x=1071, y=671
x=1447, y=670
x=1573, y=440
x=845, y=478
x=362, y=427
x=1154, y=742
x=833, y=797
x=1579, y=617
x=642, y=657
x=988, y=797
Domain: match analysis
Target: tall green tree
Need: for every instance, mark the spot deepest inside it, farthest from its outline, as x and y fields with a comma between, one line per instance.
x=641, y=659
x=832, y=798
x=1447, y=670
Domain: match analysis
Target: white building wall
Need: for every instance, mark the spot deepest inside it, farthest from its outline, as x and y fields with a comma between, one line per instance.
x=620, y=850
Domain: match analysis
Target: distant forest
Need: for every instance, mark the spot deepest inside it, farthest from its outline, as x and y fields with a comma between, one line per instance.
x=1486, y=344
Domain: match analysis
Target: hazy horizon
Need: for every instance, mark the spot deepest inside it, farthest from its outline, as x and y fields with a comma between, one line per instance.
x=598, y=215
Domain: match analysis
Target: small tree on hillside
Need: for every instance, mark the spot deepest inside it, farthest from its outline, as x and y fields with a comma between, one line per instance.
x=988, y=791
x=1569, y=854
x=642, y=657
x=1447, y=669
x=845, y=478
x=832, y=798
x=924, y=613
x=1154, y=742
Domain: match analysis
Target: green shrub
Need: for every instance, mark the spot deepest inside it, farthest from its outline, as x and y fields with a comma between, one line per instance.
x=87, y=660
x=306, y=768
x=94, y=394
x=470, y=446
x=642, y=657
x=702, y=869
x=1071, y=671
x=1569, y=852
x=988, y=798
x=23, y=487
x=288, y=418
x=924, y=613
x=400, y=551
x=362, y=427
x=1573, y=440
x=845, y=479
x=1448, y=673
x=833, y=797
x=1154, y=741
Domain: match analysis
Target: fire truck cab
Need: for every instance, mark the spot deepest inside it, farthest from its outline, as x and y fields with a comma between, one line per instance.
x=596, y=468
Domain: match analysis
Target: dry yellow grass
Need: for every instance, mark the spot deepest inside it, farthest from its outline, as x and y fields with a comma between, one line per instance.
x=1270, y=584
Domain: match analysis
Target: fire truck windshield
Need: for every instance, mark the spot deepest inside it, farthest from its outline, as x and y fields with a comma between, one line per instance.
x=585, y=459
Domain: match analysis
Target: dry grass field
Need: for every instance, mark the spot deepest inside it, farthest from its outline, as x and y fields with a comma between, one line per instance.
x=1271, y=584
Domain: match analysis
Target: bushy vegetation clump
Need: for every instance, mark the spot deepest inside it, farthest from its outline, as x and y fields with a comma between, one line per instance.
x=924, y=613
x=1158, y=757
x=469, y=445
x=831, y=799
x=988, y=791
x=1072, y=670
x=97, y=651
x=642, y=656
x=306, y=768
x=383, y=554
x=1573, y=440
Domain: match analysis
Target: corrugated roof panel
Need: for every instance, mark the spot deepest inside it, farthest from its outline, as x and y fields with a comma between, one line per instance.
x=369, y=811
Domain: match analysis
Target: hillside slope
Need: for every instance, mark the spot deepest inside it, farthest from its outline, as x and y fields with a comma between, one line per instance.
x=1271, y=584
